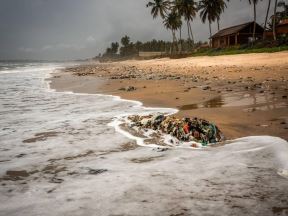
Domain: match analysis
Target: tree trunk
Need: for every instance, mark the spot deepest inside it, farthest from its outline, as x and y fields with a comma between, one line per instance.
x=210, y=32
x=175, y=41
x=266, y=19
x=180, y=48
x=274, y=20
x=191, y=32
x=218, y=23
x=189, y=36
x=254, y=27
x=172, y=44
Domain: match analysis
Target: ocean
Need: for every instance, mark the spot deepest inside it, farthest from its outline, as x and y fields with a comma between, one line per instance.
x=64, y=153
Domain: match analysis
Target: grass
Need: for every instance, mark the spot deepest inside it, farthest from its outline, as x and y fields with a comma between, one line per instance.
x=234, y=51
x=207, y=52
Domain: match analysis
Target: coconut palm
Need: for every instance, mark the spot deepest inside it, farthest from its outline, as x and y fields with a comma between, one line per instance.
x=177, y=6
x=187, y=9
x=125, y=41
x=284, y=6
x=254, y=2
x=173, y=22
x=274, y=19
x=208, y=12
x=266, y=18
x=220, y=7
x=159, y=7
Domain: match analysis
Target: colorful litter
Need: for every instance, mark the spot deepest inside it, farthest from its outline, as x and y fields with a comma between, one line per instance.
x=186, y=129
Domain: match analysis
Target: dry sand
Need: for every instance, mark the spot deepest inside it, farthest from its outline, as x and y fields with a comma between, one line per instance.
x=243, y=94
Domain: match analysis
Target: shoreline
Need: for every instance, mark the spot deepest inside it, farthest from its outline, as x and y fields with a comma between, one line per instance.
x=63, y=140
x=225, y=98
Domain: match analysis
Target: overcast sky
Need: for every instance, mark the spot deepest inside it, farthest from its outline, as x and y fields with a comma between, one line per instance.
x=74, y=29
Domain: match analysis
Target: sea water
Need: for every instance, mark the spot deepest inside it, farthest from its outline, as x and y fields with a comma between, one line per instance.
x=63, y=153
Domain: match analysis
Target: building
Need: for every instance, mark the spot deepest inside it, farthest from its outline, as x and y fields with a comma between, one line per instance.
x=281, y=30
x=282, y=27
x=151, y=54
x=236, y=35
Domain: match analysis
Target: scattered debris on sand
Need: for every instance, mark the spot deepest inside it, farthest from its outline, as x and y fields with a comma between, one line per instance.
x=186, y=129
x=128, y=88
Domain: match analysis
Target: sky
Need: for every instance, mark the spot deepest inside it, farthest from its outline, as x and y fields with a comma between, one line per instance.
x=80, y=29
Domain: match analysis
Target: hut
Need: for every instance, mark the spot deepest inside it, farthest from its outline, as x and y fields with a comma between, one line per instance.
x=281, y=30
x=282, y=27
x=236, y=35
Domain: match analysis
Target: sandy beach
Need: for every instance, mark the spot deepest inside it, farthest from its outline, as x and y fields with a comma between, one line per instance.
x=245, y=95
x=70, y=151
x=144, y=108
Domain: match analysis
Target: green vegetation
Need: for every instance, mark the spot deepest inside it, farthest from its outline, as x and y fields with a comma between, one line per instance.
x=175, y=13
x=130, y=49
x=233, y=51
x=211, y=11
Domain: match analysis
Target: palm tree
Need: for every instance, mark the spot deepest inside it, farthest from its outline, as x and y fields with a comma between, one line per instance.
x=125, y=41
x=220, y=5
x=173, y=22
x=159, y=7
x=284, y=6
x=266, y=18
x=208, y=12
x=274, y=19
x=187, y=9
x=254, y=2
x=177, y=6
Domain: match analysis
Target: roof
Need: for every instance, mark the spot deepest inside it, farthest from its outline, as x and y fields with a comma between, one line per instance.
x=231, y=30
x=283, y=22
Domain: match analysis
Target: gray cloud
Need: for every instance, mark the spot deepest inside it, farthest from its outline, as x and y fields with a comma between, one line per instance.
x=72, y=29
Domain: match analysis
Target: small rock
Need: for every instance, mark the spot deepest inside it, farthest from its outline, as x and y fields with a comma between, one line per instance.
x=56, y=180
x=97, y=171
x=20, y=155
x=128, y=88
x=206, y=88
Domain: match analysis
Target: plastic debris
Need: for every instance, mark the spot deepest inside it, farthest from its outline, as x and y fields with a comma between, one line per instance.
x=186, y=129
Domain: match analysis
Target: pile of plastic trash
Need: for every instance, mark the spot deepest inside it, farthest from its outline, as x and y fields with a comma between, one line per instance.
x=186, y=129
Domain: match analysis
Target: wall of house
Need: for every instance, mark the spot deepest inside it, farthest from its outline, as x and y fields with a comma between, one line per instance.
x=219, y=42
x=150, y=54
x=223, y=42
x=244, y=39
x=282, y=29
x=215, y=42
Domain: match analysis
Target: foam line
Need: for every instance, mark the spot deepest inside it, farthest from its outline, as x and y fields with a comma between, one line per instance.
x=118, y=119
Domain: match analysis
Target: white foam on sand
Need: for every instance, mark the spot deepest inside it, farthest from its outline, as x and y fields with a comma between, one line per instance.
x=122, y=118
x=88, y=168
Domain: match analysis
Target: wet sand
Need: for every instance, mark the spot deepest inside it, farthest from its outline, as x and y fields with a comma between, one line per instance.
x=84, y=167
x=243, y=94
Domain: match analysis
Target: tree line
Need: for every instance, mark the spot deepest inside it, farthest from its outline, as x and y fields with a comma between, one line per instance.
x=173, y=13
x=176, y=13
x=127, y=48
